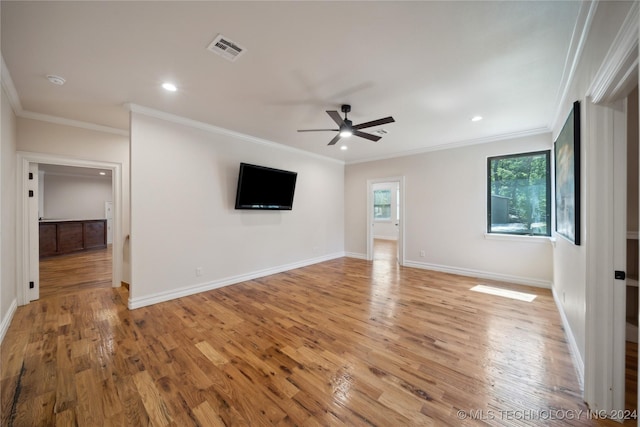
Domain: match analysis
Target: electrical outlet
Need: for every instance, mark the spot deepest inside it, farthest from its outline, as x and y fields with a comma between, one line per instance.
x=422, y=254
x=198, y=271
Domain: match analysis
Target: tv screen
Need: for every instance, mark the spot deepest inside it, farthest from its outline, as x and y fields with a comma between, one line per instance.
x=260, y=187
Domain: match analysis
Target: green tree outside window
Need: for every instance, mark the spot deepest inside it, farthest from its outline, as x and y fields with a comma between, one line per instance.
x=519, y=194
x=382, y=204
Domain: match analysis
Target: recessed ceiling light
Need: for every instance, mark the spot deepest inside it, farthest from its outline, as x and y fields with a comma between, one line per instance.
x=476, y=118
x=56, y=80
x=169, y=86
x=344, y=147
x=103, y=173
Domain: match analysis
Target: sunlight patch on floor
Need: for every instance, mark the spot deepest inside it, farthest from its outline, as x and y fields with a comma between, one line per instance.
x=520, y=296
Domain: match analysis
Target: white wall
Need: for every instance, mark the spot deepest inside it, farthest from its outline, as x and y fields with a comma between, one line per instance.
x=387, y=229
x=446, y=213
x=570, y=264
x=77, y=143
x=8, y=290
x=183, y=186
x=75, y=197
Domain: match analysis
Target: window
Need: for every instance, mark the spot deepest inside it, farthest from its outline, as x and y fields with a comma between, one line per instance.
x=519, y=194
x=382, y=204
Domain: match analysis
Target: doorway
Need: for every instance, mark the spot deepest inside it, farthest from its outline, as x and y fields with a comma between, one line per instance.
x=385, y=219
x=28, y=225
x=70, y=198
x=606, y=255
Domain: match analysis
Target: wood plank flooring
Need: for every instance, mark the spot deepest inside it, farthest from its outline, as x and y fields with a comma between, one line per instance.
x=385, y=250
x=74, y=272
x=344, y=342
x=631, y=376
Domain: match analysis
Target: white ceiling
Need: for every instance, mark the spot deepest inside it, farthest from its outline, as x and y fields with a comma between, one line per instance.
x=431, y=65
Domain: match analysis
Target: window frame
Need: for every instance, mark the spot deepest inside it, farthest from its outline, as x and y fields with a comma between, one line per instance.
x=547, y=154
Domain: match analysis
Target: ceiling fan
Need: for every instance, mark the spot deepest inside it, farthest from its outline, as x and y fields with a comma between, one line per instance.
x=347, y=128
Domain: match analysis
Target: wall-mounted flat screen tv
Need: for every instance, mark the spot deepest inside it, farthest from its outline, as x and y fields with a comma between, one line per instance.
x=260, y=187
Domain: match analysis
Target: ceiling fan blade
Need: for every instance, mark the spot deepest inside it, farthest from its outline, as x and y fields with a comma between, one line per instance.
x=334, y=140
x=375, y=123
x=317, y=130
x=336, y=117
x=366, y=135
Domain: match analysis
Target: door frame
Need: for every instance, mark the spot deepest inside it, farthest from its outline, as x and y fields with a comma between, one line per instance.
x=23, y=258
x=401, y=185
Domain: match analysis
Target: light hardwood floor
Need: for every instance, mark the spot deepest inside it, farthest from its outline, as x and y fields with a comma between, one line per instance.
x=385, y=250
x=75, y=272
x=344, y=342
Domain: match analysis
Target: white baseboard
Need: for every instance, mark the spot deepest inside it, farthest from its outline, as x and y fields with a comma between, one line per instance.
x=6, y=321
x=203, y=287
x=528, y=281
x=355, y=255
x=573, y=345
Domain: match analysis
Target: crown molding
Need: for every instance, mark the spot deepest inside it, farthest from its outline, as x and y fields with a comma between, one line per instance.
x=574, y=54
x=453, y=145
x=9, y=88
x=74, y=123
x=150, y=112
x=620, y=64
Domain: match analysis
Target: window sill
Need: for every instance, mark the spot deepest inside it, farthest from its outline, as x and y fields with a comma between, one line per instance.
x=520, y=238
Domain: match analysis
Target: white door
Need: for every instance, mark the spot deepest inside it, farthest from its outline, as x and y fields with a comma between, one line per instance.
x=33, y=233
x=108, y=214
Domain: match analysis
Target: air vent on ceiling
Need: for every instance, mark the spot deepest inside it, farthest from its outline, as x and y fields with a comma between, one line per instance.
x=381, y=132
x=226, y=48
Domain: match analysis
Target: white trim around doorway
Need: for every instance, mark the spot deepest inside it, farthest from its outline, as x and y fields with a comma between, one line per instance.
x=22, y=223
x=401, y=182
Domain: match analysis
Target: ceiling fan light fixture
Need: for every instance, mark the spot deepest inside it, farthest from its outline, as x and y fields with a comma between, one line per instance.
x=346, y=133
x=346, y=127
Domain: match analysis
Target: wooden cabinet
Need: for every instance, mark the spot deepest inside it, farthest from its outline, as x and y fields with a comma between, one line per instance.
x=63, y=237
x=48, y=239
